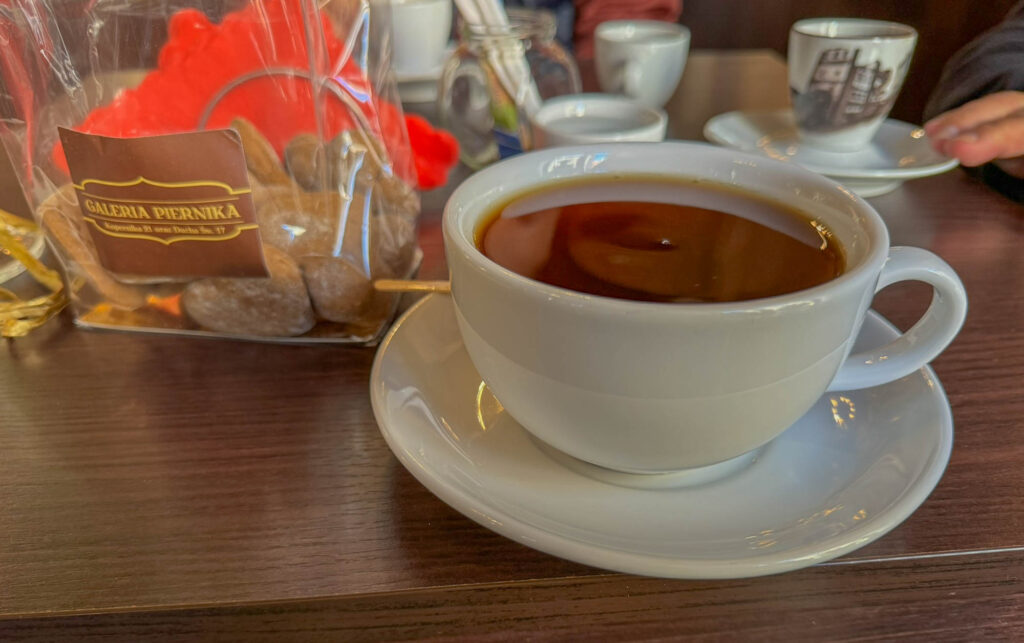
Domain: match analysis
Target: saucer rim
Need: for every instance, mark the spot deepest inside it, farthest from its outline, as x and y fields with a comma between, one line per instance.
x=418, y=92
x=409, y=78
x=895, y=173
x=654, y=565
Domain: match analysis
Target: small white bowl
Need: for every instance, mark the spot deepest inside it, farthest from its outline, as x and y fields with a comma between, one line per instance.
x=596, y=118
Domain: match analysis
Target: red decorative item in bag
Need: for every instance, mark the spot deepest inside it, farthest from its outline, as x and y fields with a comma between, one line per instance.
x=255, y=65
x=435, y=152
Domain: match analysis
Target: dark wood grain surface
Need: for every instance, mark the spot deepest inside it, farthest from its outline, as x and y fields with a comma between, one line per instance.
x=799, y=606
x=172, y=487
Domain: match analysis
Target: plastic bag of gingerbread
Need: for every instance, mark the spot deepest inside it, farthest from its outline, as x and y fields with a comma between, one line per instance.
x=237, y=168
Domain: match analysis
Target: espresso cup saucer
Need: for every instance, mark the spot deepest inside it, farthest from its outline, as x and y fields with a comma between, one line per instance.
x=899, y=151
x=418, y=88
x=848, y=472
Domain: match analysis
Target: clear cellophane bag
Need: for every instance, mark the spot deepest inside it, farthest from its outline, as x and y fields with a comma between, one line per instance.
x=328, y=161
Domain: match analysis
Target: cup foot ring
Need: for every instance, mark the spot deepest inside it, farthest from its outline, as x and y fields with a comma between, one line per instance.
x=691, y=477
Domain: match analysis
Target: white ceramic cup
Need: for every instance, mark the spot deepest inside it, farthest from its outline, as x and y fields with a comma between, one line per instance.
x=844, y=76
x=653, y=387
x=596, y=118
x=420, y=30
x=642, y=59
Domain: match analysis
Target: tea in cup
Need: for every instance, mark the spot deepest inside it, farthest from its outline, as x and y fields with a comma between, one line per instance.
x=652, y=307
x=844, y=76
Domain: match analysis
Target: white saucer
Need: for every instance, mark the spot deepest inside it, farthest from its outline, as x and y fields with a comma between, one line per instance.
x=418, y=88
x=849, y=471
x=898, y=152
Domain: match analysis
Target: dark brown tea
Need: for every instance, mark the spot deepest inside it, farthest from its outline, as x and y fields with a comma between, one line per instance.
x=656, y=240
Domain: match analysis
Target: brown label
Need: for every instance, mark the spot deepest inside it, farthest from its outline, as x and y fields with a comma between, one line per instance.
x=164, y=207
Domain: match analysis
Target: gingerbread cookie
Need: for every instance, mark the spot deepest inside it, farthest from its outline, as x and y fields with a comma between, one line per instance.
x=274, y=306
x=312, y=164
x=340, y=290
x=325, y=224
x=260, y=157
x=395, y=243
x=300, y=223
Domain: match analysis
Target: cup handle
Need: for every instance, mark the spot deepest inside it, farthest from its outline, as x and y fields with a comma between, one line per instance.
x=926, y=339
x=632, y=78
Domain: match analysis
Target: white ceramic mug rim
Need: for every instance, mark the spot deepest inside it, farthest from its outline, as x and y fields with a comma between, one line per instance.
x=673, y=32
x=660, y=119
x=868, y=267
x=907, y=32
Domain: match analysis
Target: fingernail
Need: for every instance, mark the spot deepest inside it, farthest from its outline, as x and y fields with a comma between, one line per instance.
x=966, y=137
x=947, y=132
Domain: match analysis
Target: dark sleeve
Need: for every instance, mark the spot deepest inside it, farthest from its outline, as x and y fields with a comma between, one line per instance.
x=565, y=16
x=991, y=63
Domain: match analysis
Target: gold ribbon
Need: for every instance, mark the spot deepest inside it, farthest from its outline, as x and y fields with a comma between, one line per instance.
x=19, y=317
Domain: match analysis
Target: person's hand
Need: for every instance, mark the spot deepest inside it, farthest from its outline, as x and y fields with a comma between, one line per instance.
x=989, y=129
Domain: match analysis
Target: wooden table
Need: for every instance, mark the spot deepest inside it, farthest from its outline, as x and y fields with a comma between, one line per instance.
x=173, y=487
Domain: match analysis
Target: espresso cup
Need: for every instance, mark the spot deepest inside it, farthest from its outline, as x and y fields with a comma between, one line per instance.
x=642, y=59
x=844, y=76
x=596, y=118
x=645, y=387
x=420, y=30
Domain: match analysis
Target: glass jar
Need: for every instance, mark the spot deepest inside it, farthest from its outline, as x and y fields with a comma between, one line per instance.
x=476, y=107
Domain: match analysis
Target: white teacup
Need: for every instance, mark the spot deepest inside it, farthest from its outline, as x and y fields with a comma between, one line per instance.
x=844, y=75
x=642, y=59
x=653, y=387
x=596, y=118
x=420, y=30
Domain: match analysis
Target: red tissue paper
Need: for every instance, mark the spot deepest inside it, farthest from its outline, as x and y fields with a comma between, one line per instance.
x=256, y=64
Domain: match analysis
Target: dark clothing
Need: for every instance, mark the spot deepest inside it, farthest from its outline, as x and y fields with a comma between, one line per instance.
x=577, y=19
x=1006, y=184
x=991, y=63
x=565, y=16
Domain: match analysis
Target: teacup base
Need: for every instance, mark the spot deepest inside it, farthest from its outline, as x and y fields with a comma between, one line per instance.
x=867, y=188
x=853, y=139
x=691, y=477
